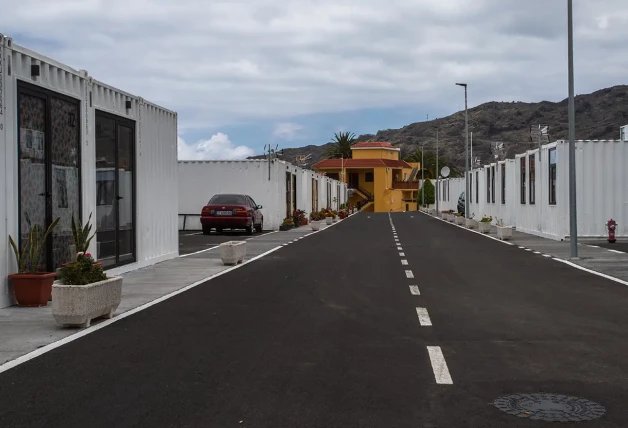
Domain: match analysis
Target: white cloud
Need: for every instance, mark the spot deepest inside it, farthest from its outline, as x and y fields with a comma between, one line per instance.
x=287, y=131
x=223, y=62
x=218, y=147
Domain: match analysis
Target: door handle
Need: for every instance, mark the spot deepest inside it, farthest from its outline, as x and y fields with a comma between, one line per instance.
x=119, y=197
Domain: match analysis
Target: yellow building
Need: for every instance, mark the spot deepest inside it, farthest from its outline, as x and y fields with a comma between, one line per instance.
x=378, y=180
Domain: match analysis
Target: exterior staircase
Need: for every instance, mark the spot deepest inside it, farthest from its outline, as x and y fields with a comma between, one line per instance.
x=369, y=207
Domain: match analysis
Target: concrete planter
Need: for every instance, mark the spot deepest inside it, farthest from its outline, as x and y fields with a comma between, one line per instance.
x=334, y=220
x=459, y=220
x=485, y=227
x=232, y=252
x=316, y=225
x=470, y=223
x=328, y=220
x=80, y=304
x=504, y=232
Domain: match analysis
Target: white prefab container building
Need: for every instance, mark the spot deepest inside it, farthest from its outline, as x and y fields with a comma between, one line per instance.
x=279, y=187
x=71, y=144
x=531, y=192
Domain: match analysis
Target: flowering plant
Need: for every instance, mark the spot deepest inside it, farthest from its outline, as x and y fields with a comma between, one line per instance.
x=84, y=270
x=298, y=216
x=486, y=219
x=287, y=222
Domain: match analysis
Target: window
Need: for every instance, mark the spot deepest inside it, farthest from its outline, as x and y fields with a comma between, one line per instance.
x=523, y=179
x=493, y=184
x=470, y=187
x=552, y=176
x=368, y=177
x=532, y=179
x=227, y=199
x=503, y=171
x=477, y=187
x=488, y=184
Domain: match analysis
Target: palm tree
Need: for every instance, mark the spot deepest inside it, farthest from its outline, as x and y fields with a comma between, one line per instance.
x=342, y=143
x=429, y=163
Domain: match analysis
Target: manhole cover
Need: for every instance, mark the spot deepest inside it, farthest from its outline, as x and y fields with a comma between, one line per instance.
x=550, y=407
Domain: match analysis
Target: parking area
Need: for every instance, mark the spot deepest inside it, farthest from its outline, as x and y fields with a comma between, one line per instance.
x=193, y=241
x=617, y=246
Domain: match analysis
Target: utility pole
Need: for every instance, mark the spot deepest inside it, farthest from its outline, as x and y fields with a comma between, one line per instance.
x=437, y=176
x=466, y=137
x=573, y=219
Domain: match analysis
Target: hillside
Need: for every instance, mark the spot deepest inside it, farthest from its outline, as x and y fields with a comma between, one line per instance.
x=598, y=116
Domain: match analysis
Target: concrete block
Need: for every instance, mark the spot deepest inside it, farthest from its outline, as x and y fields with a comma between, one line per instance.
x=232, y=252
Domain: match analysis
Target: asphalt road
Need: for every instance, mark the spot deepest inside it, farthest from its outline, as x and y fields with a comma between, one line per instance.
x=619, y=245
x=191, y=242
x=325, y=333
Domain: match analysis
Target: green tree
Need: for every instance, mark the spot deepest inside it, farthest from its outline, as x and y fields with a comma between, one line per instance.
x=341, y=147
x=430, y=199
x=429, y=163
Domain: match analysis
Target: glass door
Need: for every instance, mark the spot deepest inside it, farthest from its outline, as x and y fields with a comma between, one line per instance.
x=115, y=190
x=49, y=170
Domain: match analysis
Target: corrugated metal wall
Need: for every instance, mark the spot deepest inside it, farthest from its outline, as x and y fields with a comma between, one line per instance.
x=198, y=181
x=601, y=180
x=156, y=233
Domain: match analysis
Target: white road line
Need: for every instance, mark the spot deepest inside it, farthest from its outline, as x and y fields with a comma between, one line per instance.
x=537, y=252
x=402, y=254
x=617, y=251
x=198, y=252
x=399, y=249
x=594, y=246
x=192, y=234
x=409, y=274
x=474, y=231
x=546, y=255
x=603, y=275
x=414, y=290
x=523, y=248
x=47, y=348
x=424, y=317
x=404, y=262
x=439, y=366
x=528, y=249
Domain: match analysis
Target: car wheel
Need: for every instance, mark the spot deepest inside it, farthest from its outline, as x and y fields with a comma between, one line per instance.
x=249, y=229
x=260, y=227
x=206, y=230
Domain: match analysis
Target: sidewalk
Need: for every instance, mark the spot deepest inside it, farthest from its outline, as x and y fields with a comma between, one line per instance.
x=23, y=330
x=604, y=260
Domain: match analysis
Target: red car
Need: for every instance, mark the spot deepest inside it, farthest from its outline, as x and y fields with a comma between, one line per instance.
x=232, y=212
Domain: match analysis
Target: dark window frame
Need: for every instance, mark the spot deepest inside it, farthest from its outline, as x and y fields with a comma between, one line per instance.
x=522, y=179
x=503, y=172
x=129, y=123
x=488, y=184
x=552, y=177
x=493, y=184
x=532, y=178
x=369, y=177
x=47, y=95
x=477, y=187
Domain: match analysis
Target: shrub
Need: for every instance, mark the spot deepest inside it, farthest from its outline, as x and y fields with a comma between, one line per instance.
x=84, y=270
x=429, y=193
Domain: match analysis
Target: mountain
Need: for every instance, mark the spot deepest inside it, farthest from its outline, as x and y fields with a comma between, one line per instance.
x=599, y=116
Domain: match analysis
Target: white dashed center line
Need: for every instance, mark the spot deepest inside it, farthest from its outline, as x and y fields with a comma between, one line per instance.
x=414, y=290
x=424, y=317
x=409, y=274
x=402, y=254
x=399, y=249
x=404, y=262
x=439, y=366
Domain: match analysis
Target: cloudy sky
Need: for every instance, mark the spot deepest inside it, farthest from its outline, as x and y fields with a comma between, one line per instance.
x=245, y=73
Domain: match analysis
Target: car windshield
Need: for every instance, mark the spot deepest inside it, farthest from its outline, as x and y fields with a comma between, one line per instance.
x=228, y=199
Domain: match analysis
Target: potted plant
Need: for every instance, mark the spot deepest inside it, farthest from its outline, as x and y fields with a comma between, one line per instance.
x=84, y=291
x=503, y=232
x=299, y=218
x=470, y=222
x=287, y=224
x=459, y=219
x=328, y=217
x=452, y=216
x=334, y=216
x=32, y=287
x=315, y=221
x=485, y=224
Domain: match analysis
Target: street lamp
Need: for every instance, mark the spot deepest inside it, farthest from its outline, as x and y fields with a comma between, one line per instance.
x=422, y=175
x=437, y=175
x=573, y=219
x=466, y=151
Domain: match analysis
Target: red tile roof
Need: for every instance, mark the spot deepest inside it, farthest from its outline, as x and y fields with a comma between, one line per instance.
x=371, y=144
x=360, y=163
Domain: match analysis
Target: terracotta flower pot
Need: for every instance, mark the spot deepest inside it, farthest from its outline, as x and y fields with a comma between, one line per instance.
x=32, y=289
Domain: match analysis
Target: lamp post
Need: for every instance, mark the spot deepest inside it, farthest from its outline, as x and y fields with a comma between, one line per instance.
x=466, y=151
x=422, y=176
x=573, y=219
x=437, y=176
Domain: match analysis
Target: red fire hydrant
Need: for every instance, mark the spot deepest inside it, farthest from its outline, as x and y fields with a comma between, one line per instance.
x=611, y=225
